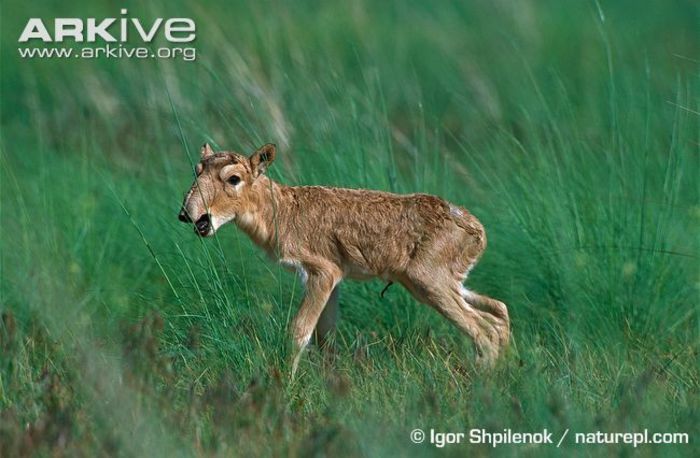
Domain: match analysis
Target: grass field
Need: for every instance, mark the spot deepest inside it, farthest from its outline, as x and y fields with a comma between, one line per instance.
x=571, y=129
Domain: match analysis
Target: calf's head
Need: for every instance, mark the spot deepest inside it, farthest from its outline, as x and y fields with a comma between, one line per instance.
x=223, y=188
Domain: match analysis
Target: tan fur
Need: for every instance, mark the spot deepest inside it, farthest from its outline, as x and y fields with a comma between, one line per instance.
x=328, y=234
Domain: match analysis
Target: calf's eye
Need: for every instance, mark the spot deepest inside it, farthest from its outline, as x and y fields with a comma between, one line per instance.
x=233, y=180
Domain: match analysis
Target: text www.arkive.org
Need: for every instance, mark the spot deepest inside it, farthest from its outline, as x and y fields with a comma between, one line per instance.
x=109, y=52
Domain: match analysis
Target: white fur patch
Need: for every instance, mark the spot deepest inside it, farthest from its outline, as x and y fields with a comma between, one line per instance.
x=466, y=294
x=296, y=265
x=219, y=220
x=454, y=211
x=246, y=219
x=466, y=272
x=305, y=341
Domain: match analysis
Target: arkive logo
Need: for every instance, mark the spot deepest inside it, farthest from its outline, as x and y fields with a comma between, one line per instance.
x=108, y=38
x=110, y=30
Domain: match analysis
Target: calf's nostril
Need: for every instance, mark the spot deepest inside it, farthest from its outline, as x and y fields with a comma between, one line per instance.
x=184, y=217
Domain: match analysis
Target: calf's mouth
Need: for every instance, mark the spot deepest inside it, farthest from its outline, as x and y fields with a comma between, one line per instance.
x=202, y=226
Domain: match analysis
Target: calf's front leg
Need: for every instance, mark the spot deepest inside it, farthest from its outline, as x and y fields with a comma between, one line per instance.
x=319, y=286
x=327, y=320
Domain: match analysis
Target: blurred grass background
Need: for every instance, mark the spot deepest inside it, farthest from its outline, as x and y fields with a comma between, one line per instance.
x=571, y=129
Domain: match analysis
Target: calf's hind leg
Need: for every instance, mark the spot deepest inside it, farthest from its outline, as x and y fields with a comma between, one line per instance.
x=493, y=310
x=444, y=293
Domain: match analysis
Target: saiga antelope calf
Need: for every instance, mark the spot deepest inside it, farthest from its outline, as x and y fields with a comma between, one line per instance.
x=328, y=234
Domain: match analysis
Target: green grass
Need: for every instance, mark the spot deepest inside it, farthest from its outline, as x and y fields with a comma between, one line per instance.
x=571, y=130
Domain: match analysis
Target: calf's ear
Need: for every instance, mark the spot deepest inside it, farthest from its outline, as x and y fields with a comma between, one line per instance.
x=263, y=157
x=206, y=151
